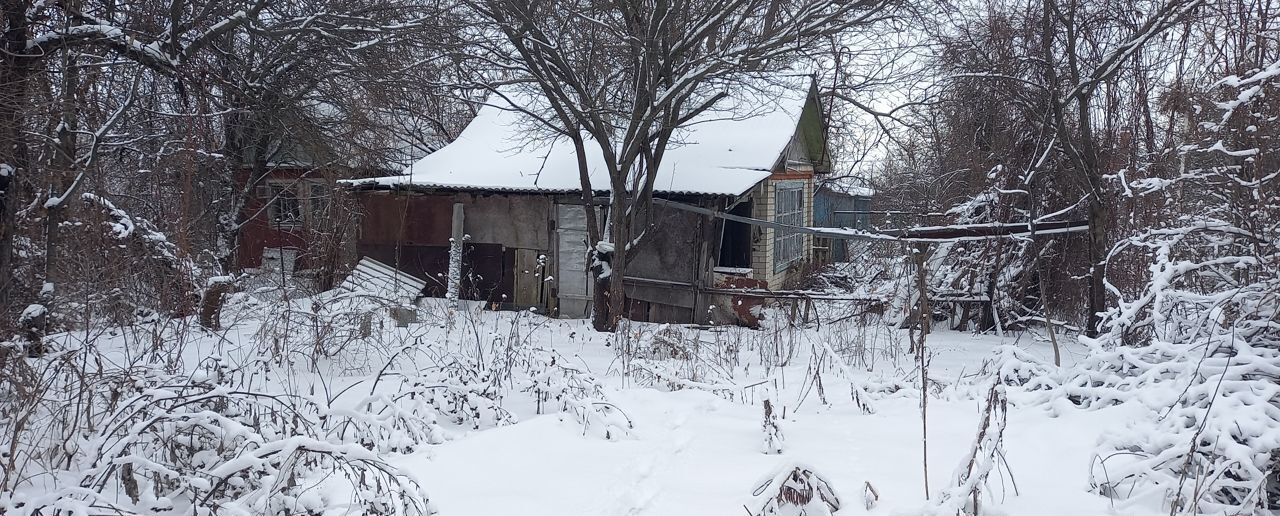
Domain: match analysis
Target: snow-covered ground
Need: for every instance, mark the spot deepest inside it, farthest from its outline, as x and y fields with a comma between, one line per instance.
x=693, y=452
x=540, y=416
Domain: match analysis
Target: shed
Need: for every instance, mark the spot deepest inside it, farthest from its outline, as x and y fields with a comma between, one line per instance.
x=837, y=205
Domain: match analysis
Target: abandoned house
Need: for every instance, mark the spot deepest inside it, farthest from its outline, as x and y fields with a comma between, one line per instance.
x=294, y=219
x=281, y=216
x=523, y=214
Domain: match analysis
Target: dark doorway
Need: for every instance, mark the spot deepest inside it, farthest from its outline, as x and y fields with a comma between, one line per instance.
x=735, y=241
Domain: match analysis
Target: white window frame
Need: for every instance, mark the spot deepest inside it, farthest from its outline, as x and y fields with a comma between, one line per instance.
x=788, y=208
x=308, y=206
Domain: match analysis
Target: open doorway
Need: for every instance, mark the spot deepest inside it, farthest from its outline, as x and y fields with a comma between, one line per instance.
x=735, y=239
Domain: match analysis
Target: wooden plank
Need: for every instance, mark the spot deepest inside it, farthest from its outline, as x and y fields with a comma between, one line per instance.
x=924, y=234
x=789, y=294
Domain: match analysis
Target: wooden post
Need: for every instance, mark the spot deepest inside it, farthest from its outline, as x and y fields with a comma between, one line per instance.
x=455, y=257
x=922, y=286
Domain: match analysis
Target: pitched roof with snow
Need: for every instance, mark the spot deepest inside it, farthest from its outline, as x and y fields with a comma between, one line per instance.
x=725, y=151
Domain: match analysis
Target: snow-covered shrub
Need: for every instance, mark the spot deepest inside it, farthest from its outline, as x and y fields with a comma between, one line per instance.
x=338, y=327
x=778, y=343
x=1199, y=344
x=1210, y=444
x=1012, y=366
x=103, y=267
x=676, y=358
x=468, y=392
x=864, y=341
x=395, y=422
x=210, y=442
x=557, y=386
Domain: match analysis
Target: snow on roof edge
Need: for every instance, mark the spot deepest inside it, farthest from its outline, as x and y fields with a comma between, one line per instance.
x=375, y=184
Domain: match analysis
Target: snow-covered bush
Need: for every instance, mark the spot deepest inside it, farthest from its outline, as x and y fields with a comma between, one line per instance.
x=1199, y=344
x=1012, y=366
x=103, y=267
x=392, y=422
x=339, y=327
x=969, y=482
x=1210, y=444
x=558, y=386
x=214, y=441
x=468, y=392
x=676, y=358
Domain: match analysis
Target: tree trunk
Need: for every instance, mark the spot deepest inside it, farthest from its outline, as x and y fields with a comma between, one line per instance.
x=615, y=293
x=617, y=289
x=62, y=178
x=14, y=72
x=1099, y=213
x=600, y=301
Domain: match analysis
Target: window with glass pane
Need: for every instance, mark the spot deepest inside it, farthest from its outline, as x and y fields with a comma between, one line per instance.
x=318, y=198
x=788, y=208
x=284, y=209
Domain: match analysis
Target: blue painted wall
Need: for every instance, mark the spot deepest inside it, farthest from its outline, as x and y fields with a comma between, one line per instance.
x=826, y=203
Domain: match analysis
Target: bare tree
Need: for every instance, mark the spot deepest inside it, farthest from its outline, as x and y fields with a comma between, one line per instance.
x=1041, y=105
x=1071, y=101
x=193, y=103
x=623, y=76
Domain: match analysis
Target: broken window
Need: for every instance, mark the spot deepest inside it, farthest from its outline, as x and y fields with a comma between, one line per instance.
x=788, y=208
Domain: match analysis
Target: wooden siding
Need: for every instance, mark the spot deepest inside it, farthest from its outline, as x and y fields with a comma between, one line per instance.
x=507, y=233
x=259, y=233
x=762, y=238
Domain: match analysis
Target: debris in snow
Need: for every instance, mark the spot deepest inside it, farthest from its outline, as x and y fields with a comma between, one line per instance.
x=32, y=312
x=795, y=490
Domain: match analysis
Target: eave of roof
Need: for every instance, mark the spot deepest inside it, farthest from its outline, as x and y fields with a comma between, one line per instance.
x=366, y=185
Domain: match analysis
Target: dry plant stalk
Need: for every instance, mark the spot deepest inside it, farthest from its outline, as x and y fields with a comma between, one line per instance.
x=964, y=497
x=800, y=491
